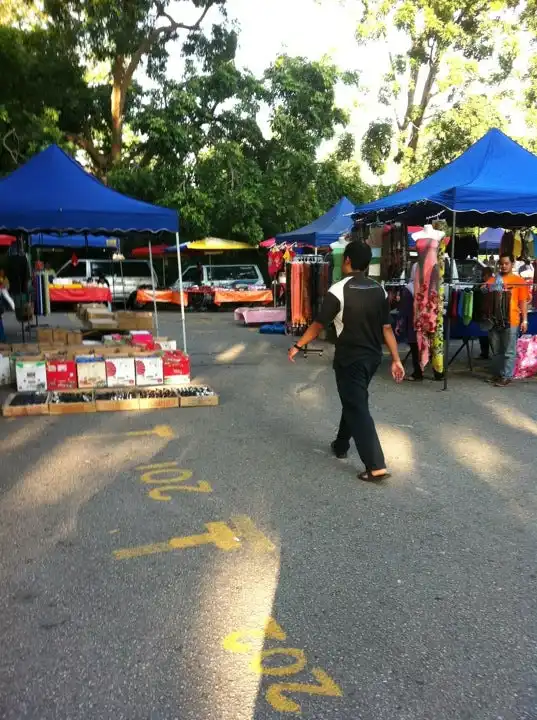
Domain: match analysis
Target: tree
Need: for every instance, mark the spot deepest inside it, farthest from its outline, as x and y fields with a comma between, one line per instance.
x=452, y=132
x=443, y=43
x=119, y=35
x=34, y=107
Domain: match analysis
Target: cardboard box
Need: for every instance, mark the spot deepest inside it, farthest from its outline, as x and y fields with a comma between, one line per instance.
x=149, y=370
x=5, y=370
x=104, y=404
x=144, y=321
x=157, y=403
x=199, y=401
x=120, y=372
x=166, y=344
x=61, y=374
x=15, y=406
x=74, y=337
x=126, y=320
x=91, y=374
x=45, y=336
x=176, y=367
x=72, y=406
x=31, y=374
x=59, y=336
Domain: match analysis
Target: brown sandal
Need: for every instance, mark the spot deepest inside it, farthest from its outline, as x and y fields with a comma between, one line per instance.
x=367, y=476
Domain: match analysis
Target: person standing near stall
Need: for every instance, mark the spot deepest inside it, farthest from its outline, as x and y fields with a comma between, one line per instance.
x=359, y=309
x=503, y=340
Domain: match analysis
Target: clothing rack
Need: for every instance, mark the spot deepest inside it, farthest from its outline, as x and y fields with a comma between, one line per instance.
x=308, y=280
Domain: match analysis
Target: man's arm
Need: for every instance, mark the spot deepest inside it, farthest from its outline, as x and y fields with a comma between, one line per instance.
x=329, y=310
x=398, y=371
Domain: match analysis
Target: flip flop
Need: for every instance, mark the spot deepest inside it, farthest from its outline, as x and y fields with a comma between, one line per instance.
x=367, y=476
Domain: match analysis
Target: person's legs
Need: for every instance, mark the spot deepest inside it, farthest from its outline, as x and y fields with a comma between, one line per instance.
x=2, y=331
x=484, y=344
x=496, y=345
x=353, y=382
x=342, y=443
x=417, y=372
x=511, y=337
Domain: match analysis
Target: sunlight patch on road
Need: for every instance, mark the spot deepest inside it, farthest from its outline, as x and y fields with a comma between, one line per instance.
x=513, y=418
x=398, y=447
x=231, y=353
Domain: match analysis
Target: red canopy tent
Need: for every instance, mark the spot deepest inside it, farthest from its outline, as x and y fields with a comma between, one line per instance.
x=6, y=240
x=157, y=251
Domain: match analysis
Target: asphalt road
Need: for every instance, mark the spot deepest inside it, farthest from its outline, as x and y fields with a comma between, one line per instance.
x=412, y=600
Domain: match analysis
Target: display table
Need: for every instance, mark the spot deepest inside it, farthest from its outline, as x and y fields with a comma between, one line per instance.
x=80, y=295
x=263, y=297
x=259, y=316
x=161, y=296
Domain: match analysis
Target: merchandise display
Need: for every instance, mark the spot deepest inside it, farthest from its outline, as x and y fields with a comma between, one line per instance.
x=308, y=280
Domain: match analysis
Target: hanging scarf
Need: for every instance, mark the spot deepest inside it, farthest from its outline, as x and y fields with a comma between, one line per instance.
x=437, y=343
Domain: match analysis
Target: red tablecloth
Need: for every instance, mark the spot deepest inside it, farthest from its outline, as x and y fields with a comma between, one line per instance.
x=242, y=296
x=81, y=295
x=164, y=296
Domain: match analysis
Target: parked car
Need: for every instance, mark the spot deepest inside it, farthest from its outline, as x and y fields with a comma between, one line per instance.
x=227, y=276
x=123, y=278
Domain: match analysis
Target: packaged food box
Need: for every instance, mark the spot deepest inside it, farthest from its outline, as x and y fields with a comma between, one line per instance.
x=91, y=371
x=61, y=374
x=149, y=370
x=176, y=367
x=31, y=374
x=120, y=371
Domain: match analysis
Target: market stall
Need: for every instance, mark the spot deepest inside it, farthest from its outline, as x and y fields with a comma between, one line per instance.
x=52, y=193
x=494, y=183
x=74, y=295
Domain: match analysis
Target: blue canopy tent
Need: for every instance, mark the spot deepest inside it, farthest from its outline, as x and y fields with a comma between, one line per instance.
x=52, y=193
x=326, y=229
x=492, y=184
x=39, y=240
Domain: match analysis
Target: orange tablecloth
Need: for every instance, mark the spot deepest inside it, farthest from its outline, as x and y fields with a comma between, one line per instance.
x=80, y=295
x=242, y=296
x=165, y=296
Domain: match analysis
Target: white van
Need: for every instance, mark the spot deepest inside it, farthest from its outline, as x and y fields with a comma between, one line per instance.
x=123, y=278
x=225, y=276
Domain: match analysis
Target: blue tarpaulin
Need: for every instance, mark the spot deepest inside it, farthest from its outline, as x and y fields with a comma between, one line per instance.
x=52, y=192
x=494, y=183
x=326, y=229
x=73, y=241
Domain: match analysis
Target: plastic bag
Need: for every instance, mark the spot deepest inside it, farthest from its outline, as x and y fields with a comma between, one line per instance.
x=526, y=357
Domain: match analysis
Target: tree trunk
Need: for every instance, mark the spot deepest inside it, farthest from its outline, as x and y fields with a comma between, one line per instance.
x=117, y=106
x=417, y=122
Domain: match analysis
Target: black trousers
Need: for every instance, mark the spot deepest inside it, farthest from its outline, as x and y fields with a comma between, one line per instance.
x=356, y=421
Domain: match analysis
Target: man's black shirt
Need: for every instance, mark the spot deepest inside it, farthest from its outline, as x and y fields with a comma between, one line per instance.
x=359, y=309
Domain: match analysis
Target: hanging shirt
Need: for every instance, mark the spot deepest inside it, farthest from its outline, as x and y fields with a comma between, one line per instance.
x=358, y=306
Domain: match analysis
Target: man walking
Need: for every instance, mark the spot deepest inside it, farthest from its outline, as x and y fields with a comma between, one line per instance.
x=503, y=338
x=359, y=309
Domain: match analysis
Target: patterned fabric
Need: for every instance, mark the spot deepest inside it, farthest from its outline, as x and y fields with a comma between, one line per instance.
x=437, y=343
x=426, y=296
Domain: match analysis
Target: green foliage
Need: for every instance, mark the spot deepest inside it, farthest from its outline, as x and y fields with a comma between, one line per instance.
x=452, y=132
x=447, y=41
x=377, y=145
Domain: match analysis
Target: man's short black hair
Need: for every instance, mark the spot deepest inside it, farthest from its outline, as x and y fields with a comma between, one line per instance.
x=507, y=255
x=359, y=254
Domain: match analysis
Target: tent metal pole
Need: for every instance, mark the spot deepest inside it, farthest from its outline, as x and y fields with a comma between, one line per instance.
x=450, y=291
x=153, y=288
x=180, y=269
x=118, y=247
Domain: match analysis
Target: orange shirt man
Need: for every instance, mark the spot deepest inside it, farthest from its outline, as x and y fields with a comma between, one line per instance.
x=503, y=340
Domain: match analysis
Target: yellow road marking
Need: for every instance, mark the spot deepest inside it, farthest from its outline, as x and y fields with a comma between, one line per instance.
x=218, y=533
x=327, y=687
x=246, y=530
x=235, y=641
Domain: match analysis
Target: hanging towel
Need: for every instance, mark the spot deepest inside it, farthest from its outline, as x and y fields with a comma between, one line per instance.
x=454, y=304
x=468, y=307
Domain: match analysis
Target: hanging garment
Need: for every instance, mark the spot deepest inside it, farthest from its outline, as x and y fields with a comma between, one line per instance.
x=526, y=357
x=275, y=262
x=517, y=245
x=454, y=304
x=468, y=308
x=507, y=244
x=460, y=306
x=437, y=342
x=426, y=290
